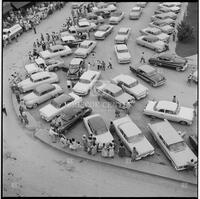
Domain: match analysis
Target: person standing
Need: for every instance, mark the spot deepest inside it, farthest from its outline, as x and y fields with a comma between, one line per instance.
x=42, y=37
x=17, y=93
x=110, y=63
x=174, y=35
x=84, y=143
x=174, y=99
x=34, y=29
x=104, y=152
x=142, y=58
x=103, y=64
x=4, y=109
x=117, y=113
x=89, y=66
x=112, y=128
x=25, y=118
x=121, y=151
x=128, y=107
x=111, y=150
x=134, y=154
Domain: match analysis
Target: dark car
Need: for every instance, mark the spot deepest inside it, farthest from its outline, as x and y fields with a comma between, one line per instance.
x=194, y=142
x=76, y=68
x=69, y=118
x=104, y=14
x=149, y=74
x=170, y=61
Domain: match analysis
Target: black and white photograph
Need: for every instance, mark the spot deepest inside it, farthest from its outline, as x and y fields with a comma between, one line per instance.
x=99, y=99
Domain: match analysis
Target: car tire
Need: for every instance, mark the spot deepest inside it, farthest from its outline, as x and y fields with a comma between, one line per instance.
x=55, y=69
x=178, y=69
x=183, y=122
x=35, y=105
x=88, y=92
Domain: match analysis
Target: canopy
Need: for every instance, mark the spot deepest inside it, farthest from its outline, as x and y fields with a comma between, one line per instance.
x=18, y=5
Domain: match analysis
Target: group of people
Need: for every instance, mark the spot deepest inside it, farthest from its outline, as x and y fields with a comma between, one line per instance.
x=30, y=17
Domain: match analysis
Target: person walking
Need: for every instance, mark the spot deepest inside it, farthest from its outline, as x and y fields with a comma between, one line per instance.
x=4, y=109
x=30, y=56
x=103, y=64
x=38, y=43
x=134, y=154
x=34, y=45
x=84, y=143
x=174, y=35
x=89, y=66
x=34, y=29
x=117, y=113
x=25, y=118
x=42, y=37
x=142, y=58
x=121, y=151
x=110, y=63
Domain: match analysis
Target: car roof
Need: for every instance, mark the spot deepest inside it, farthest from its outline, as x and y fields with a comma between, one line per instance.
x=136, y=8
x=151, y=38
x=76, y=61
x=40, y=75
x=44, y=87
x=97, y=122
x=55, y=47
x=104, y=27
x=112, y=88
x=126, y=78
x=123, y=29
x=153, y=29
x=169, y=134
x=121, y=47
x=167, y=105
x=70, y=112
x=86, y=42
x=167, y=55
x=146, y=68
x=130, y=128
x=62, y=98
x=88, y=74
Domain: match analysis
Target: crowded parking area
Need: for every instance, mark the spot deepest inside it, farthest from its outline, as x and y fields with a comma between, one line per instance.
x=107, y=81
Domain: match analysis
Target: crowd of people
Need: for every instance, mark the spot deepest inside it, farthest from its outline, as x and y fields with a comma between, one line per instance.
x=30, y=17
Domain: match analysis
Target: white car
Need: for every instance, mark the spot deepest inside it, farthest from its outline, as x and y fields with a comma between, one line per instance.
x=85, y=25
x=135, y=13
x=195, y=76
x=58, y=105
x=162, y=8
x=163, y=22
x=122, y=53
x=86, y=82
x=172, y=144
x=163, y=27
x=37, y=79
x=141, y=4
x=116, y=17
x=96, y=126
x=171, y=4
x=170, y=111
x=115, y=94
x=152, y=43
x=103, y=31
x=132, y=136
x=54, y=51
x=171, y=15
x=104, y=7
x=131, y=86
x=85, y=48
x=155, y=32
x=41, y=94
x=122, y=35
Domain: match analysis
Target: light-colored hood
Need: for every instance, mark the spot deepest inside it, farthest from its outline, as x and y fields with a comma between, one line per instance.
x=159, y=44
x=163, y=36
x=124, y=55
x=24, y=83
x=81, y=51
x=80, y=87
x=48, y=110
x=120, y=37
x=99, y=33
x=114, y=18
x=32, y=68
x=186, y=113
x=124, y=98
x=30, y=96
x=104, y=138
x=138, y=89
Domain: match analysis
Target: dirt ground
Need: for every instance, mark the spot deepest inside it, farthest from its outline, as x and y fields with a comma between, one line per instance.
x=36, y=162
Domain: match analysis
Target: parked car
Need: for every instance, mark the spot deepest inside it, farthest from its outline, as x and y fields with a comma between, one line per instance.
x=135, y=12
x=116, y=17
x=172, y=144
x=41, y=94
x=115, y=94
x=84, y=25
x=37, y=79
x=122, y=35
x=96, y=126
x=171, y=15
x=103, y=31
x=12, y=32
x=195, y=76
x=54, y=51
x=85, y=48
x=169, y=60
x=76, y=5
x=76, y=68
x=152, y=31
x=104, y=7
x=59, y=104
x=149, y=74
x=141, y=4
x=194, y=142
x=105, y=14
x=162, y=22
x=86, y=82
x=161, y=9
x=95, y=18
x=164, y=28
x=70, y=117
x=169, y=110
x=131, y=86
x=132, y=136
x=171, y=4
x=70, y=40
x=122, y=53
x=165, y=9
x=153, y=43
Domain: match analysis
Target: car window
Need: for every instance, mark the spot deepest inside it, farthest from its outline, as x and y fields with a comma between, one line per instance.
x=37, y=80
x=61, y=105
x=45, y=78
x=169, y=112
x=161, y=110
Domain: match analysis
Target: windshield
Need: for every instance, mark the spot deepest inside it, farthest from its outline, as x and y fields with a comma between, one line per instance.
x=55, y=104
x=84, y=81
x=97, y=125
x=151, y=73
x=117, y=94
x=180, y=146
x=122, y=50
x=135, y=139
x=122, y=33
x=83, y=46
x=36, y=93
x=131, y=85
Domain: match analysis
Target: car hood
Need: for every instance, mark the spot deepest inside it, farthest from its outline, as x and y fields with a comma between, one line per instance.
x=114, y=18
x=32, y=68
x=182, y=158
x=29, y=97
x=157, y=77
x=125, y=55
x=186, y=113
x=24, y=83
x=45, y=53
x=163, y=36
x=134, y=14
x=81, y=51
x=167, y=28
x=180, y=60
x=80, y=87
x=104, y=138
x=159, y=44
x=120, y=37
x=143, y=146
x=99, y=33
x=48, y=110
x=124, y=98
x=138, y=89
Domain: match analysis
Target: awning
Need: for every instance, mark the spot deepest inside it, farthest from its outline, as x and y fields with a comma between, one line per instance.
x=18, y=5
x=7, y=7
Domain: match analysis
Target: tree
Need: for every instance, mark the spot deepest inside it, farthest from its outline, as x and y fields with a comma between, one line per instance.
x=185, y=31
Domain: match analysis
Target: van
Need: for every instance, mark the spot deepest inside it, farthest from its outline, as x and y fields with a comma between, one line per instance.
x=12, y=32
